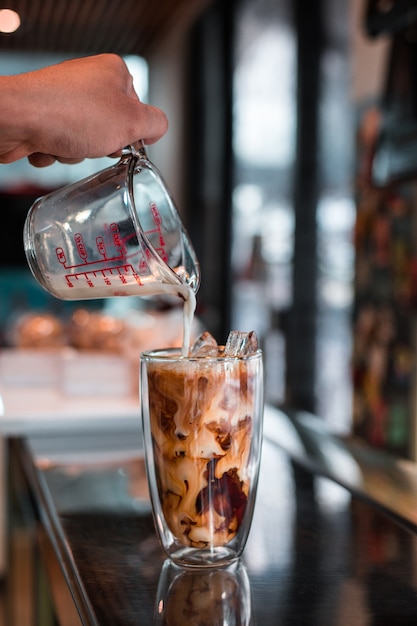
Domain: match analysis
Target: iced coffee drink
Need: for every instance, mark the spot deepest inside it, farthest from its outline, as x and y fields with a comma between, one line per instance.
x=202, y=422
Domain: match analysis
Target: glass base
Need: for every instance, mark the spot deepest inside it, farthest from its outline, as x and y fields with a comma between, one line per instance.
x=193, y=557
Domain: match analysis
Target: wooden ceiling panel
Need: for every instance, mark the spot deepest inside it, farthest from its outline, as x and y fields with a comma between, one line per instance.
x=95, y=26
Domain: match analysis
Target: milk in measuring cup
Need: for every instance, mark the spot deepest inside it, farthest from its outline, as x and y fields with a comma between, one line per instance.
x=116, y=233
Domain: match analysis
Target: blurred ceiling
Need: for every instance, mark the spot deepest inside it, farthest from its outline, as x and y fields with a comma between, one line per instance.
x=95, y=26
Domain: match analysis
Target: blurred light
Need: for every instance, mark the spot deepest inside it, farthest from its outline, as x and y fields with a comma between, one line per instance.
x=9, y=21
x=336, y=294
x=138, y=68
x=336, y=214
x=277, y=229
x=247, y=199
x=264, y=99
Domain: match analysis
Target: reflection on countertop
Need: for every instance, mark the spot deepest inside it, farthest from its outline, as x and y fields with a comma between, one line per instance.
x=317, y=554
x=386, y=480
x=186, y=597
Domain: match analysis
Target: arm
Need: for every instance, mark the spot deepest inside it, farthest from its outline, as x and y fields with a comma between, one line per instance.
x=74, y=110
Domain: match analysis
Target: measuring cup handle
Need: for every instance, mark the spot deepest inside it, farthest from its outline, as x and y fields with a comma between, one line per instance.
x=136, y=149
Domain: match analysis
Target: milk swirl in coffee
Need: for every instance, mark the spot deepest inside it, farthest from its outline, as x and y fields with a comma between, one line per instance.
x=201, y=411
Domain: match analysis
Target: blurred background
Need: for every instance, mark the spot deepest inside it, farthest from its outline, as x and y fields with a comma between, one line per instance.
x=291, y=154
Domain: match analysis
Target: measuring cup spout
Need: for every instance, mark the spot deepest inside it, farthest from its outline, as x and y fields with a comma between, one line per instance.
x=170, y=255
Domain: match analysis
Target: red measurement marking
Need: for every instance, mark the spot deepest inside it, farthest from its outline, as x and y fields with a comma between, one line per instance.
x=118, y=243
x=162, y=254
x=60, y=255
x=137, y=278
x=158, y=223
x=79, y=242
x=143, y=265
x=155, y=213
x=121, y=272
x=101, y=246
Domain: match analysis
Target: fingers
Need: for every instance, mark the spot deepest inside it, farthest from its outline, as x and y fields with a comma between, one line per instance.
x=38, y=159
x=68, y=161
x=153, y=123
x=115, y=155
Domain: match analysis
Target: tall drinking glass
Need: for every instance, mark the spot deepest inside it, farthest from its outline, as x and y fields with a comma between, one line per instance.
x=202, y=421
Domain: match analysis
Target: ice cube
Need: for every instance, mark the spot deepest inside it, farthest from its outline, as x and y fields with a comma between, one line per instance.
x=240, y=343
x=205, y=345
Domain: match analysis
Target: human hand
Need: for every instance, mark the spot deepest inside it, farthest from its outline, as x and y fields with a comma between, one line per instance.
x=82, y=108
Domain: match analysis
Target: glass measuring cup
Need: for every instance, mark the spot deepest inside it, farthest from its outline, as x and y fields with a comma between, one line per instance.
x=115, y=233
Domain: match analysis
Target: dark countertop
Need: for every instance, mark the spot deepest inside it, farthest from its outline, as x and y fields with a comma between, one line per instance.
x=320, y=553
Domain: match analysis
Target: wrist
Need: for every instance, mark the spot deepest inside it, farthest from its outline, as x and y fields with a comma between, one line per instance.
x=15, y=110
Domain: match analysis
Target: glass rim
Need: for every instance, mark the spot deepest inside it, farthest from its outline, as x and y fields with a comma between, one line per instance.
x=170, y=355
